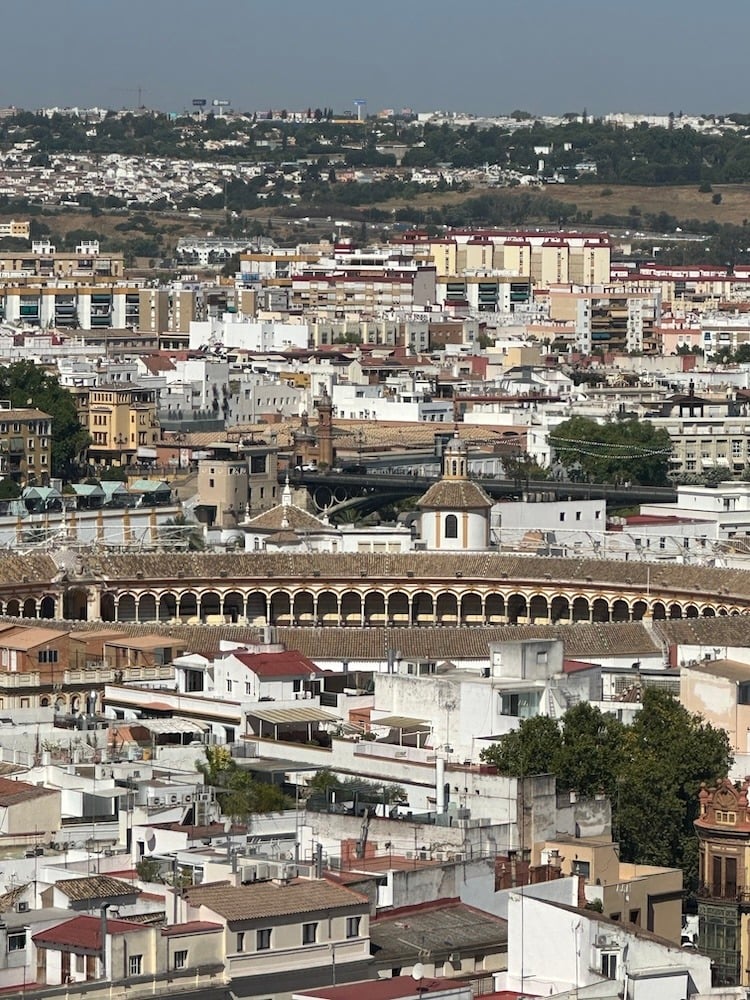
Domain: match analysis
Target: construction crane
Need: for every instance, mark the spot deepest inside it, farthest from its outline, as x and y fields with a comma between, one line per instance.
x=131, y=90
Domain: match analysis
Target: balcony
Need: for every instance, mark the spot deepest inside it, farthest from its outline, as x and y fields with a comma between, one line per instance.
x=728, y=893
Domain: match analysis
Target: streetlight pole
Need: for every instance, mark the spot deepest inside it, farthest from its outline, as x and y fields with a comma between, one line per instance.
x=120, y=442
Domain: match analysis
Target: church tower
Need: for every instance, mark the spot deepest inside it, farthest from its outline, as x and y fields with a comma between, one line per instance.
x=455, y=512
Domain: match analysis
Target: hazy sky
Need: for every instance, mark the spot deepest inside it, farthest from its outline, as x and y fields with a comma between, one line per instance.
x=484, y=56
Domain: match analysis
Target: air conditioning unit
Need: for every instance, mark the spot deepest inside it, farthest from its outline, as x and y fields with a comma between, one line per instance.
x=401, y=753
x=187, y=799
x=602, y=941
x=262, y=871
x=249, y=873
x=174, y=799
x=458, y=856
x=158, y=800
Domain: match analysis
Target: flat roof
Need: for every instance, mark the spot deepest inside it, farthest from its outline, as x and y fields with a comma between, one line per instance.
x=395, y=988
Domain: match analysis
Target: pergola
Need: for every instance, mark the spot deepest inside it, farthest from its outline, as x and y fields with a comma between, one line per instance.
x=268, y=721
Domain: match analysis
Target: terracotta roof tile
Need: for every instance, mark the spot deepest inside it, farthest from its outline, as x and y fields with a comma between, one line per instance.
x=270, y=899
x=82, y=934
x=95, y=887
x=455, y=494
x=13, y=792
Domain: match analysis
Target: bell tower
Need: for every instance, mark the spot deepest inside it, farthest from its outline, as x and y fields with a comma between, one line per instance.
x=455, y=459
x=324, y=406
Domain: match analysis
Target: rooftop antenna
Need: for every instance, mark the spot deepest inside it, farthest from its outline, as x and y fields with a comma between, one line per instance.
x=417, y=974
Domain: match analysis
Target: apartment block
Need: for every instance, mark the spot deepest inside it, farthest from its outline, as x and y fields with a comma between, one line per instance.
x=121, y=420
x=611, y=317
x=25, y=444
x=44, y=260
x=543, y=257
x=16, y=228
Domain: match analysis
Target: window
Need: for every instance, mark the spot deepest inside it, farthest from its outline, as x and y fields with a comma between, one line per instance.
x=135, y=965
x=309, y=933
x=634, y=916
x=229, y=686
x=581, y=868
x=180, y=959
x=352, y=927
x=47, y=656
x=263, y=939
x=578, y=515
x=562, y=515
x=248, y=687
x=725, y=817
x=451, y=526
x=17, y=941
x=241, y=941
x=609, y=965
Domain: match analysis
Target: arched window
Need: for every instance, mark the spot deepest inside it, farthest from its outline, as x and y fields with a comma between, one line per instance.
x=451, y=526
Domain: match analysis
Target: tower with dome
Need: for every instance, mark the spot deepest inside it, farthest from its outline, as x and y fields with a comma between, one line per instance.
x=455, y=512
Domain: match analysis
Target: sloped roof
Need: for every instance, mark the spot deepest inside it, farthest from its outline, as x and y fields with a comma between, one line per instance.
x=14, y=792
x=287, y=516
x=269, y=899
x=95, y=887
x=455, y=494
x=82, y=934
x=289, y=663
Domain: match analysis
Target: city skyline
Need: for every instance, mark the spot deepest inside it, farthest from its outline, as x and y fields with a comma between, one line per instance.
x=549, y=59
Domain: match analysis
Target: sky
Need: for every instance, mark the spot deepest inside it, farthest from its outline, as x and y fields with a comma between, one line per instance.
x=479, y=56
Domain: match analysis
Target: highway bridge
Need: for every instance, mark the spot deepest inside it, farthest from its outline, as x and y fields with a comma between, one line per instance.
x=376, y=487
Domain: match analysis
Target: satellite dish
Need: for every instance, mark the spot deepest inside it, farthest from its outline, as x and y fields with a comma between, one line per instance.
x=417, y=973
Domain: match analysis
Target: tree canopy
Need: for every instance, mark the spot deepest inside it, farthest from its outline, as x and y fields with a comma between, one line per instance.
x=650, y=770
x=25, y=384
x=618, y=451
x=239, y=795
x=325, y=787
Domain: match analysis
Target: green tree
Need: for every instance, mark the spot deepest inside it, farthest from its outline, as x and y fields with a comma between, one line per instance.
x=324, y=784
x=618, y=451
x=651, y=770
x=26, y=384
x=239, y=795
x=533, y=748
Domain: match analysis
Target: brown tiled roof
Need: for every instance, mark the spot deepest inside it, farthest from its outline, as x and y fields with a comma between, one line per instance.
x=455, y=494
x=724, y=630
x=580, y=640
x=13, y=792
x=488, y=567
x=95, y=887
x=30, y=568
x=296, y=519
x=270, y=899
x=9, y=899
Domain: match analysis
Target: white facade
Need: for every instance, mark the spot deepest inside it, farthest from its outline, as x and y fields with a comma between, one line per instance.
x=564, y=524
x=556, y=950
x=369, y=402
x=248, y=335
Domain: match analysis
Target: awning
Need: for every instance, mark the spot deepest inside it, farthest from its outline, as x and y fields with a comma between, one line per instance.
x=280, y=716
x=400, y=722
x=161, y=726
